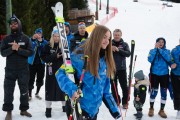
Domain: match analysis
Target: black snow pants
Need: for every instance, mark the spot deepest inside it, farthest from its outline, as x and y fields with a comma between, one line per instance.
x=22, y=77
x=176, y=90
x=120, y=75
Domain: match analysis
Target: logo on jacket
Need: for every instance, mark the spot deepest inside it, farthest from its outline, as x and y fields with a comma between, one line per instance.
x=21, y=43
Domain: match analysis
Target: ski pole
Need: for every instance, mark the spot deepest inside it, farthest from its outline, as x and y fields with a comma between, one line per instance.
x=129, y=92
x=134, y=66
x=76, y=101
x=119, y=106
x=83, y=71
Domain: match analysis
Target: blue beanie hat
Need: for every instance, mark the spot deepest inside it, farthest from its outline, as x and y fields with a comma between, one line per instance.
x=68, y=25
x=54, y=32
x=39, y=30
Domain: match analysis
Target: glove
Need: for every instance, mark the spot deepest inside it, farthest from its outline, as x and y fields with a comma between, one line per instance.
x=68, y=69
x=116, y=115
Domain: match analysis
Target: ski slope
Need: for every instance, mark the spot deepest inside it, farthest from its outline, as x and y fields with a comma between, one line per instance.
x=142, y=21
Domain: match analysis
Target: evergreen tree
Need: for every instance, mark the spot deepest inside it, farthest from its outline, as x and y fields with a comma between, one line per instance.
x=2, y=17
x=37, y=13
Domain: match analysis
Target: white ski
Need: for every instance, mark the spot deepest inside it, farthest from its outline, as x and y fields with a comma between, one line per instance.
x=58, y=11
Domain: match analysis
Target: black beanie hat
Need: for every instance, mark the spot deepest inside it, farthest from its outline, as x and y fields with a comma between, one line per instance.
x=12, y=19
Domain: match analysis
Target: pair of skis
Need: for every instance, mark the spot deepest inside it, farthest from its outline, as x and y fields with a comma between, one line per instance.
x=76, y=112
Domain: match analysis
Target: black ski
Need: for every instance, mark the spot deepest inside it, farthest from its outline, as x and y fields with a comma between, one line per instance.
x=130, y=69
x=131, y=61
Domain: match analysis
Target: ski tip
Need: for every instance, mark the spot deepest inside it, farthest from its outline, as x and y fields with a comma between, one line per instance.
x=58, y=4
x=132, y=41
x=53, y=9
x=58, y=10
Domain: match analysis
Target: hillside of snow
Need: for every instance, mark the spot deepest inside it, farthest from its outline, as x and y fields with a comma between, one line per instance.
x=142, y=21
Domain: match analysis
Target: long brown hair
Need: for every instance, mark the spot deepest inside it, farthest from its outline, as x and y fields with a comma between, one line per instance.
x=92, y=48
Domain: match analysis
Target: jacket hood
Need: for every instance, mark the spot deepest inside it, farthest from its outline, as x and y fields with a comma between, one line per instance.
x=178, y=47
x=14, y=18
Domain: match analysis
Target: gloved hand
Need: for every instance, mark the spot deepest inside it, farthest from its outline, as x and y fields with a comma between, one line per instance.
x=116, y=115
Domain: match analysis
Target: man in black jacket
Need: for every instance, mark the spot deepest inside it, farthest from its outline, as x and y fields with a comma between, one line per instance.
x=120, y=52
x=16, y=47
x=79, y=36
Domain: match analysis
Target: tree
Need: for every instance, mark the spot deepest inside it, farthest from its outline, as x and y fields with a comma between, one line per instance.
x=80, y=4
x=37, y=13
x=2, y=17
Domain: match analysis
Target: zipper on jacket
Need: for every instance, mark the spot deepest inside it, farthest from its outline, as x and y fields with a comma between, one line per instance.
x=34, y=55
x=94, y=82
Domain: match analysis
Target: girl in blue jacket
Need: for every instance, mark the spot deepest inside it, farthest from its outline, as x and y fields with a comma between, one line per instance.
x=96, y=82
x=160, y=58
x=175, y=77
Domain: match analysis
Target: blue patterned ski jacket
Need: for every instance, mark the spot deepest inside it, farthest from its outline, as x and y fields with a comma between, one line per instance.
x=93, y=88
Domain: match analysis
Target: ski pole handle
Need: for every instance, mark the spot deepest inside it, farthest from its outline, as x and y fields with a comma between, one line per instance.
x=85, y=61
x=82, y=75
x=84, y=69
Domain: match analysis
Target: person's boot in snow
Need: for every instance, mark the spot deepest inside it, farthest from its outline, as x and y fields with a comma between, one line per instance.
x=38, y=97
x=162, y=114
x=48, y=112
x=139, y=114
x=8, y=116
x=125, y=106
x=151, y=112
x=37, y=93
x=30, y=94
x=64, y=108
x=25, y=113
x=178, y=114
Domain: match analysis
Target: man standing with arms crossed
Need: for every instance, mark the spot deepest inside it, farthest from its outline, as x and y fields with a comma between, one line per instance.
x=16, y=47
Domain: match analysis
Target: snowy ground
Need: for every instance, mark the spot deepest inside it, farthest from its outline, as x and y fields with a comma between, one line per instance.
x=143, y=21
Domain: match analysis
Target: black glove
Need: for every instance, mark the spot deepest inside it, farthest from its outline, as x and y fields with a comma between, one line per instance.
x=116, y=115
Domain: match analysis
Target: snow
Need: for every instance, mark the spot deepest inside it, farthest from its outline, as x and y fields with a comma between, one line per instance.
x=142, y=21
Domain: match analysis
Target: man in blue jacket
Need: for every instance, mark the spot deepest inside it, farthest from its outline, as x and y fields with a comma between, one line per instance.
x=69, y=34
x=36, y=64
